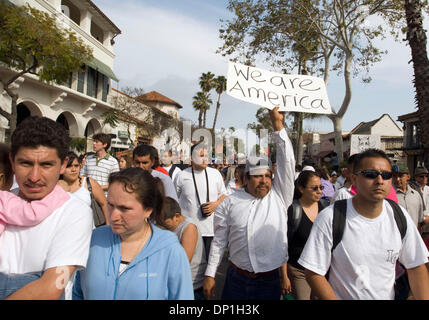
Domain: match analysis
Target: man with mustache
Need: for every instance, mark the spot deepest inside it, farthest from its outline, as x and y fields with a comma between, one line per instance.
x=252, y=223
x=36, y=262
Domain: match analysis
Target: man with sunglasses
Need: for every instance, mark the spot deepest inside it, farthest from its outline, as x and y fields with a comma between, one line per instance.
x=407, y=196
x=362, y=265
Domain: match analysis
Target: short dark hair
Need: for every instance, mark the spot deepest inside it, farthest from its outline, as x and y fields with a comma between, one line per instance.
x=35, y=131
x=170, y=208
x=104, y=138
x=143, y=150
x=369, y=153
x=302, y=181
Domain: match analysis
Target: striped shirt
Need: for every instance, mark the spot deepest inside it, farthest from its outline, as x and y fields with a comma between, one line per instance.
x=100, y=169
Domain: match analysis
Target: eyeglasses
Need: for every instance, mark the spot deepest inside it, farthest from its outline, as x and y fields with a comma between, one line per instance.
x=315, y=188
x=372, y=174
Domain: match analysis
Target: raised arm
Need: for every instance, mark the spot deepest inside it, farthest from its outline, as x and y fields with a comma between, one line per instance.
x=284, y=179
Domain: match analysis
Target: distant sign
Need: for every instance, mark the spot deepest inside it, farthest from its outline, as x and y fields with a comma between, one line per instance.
x=361, y=142
x=297, y=93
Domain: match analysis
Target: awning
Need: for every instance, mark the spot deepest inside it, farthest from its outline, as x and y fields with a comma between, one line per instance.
x=102, y=68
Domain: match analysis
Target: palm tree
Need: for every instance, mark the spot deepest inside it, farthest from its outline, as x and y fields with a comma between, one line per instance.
x=201, y=103
x=220, y=87
x=207, y=83
x=417, y=39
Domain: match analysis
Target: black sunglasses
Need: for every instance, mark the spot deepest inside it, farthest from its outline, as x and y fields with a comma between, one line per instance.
x=315, y=188
x=372, y=174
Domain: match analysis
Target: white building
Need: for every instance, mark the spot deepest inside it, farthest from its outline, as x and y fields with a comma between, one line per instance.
x=79, y=104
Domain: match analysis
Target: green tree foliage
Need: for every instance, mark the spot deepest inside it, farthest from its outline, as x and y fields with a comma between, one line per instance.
x=31, y=41
x=201, y=103
x=329, y=35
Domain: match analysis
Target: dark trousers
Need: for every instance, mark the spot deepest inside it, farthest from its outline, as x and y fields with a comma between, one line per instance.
x=207, y=243
x=241, y=287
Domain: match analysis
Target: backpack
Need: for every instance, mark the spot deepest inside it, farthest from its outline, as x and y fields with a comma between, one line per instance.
x=339, y=220
x=296, y=216
x=402, y=287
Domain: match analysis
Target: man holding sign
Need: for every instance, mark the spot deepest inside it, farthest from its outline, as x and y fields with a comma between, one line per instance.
x=252, y=223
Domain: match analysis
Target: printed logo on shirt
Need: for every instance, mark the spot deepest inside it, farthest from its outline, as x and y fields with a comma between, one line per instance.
x=144, y=275
x=392, y=257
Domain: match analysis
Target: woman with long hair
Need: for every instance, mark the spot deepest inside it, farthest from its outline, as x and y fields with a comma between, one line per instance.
x=301, y=215
x=134, y=259
x=72, y=182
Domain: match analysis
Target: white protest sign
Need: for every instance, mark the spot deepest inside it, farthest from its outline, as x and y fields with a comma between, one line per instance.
x=299, y=93
x=362, y=142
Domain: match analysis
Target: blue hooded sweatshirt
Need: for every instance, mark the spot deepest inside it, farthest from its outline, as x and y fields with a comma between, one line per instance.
x=159, y=272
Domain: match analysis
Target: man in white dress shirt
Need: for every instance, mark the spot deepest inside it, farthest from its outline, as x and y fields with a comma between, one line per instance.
x=252, y=223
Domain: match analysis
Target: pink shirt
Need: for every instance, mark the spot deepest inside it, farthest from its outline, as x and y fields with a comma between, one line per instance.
x=17, y=211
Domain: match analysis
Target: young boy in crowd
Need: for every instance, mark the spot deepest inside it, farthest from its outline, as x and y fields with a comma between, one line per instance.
x=191, y=240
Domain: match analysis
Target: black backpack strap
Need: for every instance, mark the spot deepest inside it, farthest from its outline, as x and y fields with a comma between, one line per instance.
x=400, y=219
x=170, y=172
x=338, y=222
x=295, y=218
x=88, y=183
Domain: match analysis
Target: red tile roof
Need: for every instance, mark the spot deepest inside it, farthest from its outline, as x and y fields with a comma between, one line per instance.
x=154, y=96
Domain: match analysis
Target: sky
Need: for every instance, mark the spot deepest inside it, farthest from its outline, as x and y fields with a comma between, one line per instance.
x=166, y=45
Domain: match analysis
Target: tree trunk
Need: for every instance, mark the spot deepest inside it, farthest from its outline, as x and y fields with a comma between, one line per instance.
x=417, y=39
x=216, y=113
x=338, y=137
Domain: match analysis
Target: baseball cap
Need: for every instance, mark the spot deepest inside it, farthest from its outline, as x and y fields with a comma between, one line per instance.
x=258, y=165
x=308, y=168
x=333, y=173
x=401, y=168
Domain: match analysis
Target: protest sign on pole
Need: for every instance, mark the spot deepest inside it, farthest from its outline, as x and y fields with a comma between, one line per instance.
x=362, y=142
x=298, y=93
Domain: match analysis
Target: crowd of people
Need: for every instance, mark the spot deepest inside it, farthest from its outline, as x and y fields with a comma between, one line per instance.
x=145, y=227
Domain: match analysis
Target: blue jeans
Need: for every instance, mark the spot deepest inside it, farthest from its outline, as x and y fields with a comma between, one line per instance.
x=9, y=283
x=240, y=287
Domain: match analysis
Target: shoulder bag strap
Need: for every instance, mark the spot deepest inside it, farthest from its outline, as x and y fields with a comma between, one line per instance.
x=401, y=221
x=338, y=222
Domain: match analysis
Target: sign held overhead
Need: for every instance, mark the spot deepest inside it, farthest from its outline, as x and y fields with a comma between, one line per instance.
x=298, y=93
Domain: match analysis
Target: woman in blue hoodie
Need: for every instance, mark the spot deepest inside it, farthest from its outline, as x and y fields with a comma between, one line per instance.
x=132, y=258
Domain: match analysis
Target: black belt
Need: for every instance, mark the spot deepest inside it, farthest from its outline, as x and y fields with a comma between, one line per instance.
x=249, y=274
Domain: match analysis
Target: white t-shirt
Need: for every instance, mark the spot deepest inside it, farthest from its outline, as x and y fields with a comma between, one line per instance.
x=342, y=193
x=169, y=188
x=363, y=263
x=188, y=200
x=62, y=239
x=175, y=174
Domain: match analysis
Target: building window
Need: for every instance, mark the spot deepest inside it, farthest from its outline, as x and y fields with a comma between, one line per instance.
x=80, y=81
x=92, y=83
x=105, y=89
